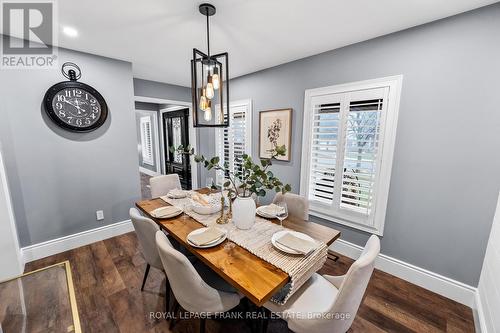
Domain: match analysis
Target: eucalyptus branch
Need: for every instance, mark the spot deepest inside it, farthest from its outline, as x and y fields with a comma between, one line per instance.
x=254, y=178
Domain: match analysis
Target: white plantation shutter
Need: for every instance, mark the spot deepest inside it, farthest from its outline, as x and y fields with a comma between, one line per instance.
x=234, y=141
x=324, y=143
x=343, y=157
x=146, y=141
x=360, y=160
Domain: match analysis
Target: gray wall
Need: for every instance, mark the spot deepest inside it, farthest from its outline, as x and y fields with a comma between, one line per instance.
x=445, y=177
x=155, y=89
x=58, y=179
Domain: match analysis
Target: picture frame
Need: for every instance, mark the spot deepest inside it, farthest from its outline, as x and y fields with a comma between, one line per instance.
x=275, y=129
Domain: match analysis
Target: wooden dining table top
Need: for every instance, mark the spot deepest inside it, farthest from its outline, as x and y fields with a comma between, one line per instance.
x=255, y=278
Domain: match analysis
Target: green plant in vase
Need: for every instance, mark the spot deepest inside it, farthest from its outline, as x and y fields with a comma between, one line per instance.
x=250, y=178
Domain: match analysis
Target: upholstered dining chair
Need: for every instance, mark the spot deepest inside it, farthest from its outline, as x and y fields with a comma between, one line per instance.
x=298, y=206
x=332, y=300
x=161, y=185
x=194, y=293
x=146, y=229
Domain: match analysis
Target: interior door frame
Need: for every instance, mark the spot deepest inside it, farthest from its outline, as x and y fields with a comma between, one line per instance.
x=157, y=148
x=193, y=135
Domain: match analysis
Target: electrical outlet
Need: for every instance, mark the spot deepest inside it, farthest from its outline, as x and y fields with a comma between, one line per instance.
x=99, y=215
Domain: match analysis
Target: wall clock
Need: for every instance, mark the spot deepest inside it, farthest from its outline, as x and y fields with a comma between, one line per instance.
x=73, y=105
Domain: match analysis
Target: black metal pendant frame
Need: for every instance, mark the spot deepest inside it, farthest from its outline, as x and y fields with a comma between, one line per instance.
x=221, y=61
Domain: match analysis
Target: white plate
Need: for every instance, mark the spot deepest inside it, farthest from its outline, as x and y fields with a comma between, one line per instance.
x=212, y=244
x=178, y=212
x=263, y=214
x=284, y=248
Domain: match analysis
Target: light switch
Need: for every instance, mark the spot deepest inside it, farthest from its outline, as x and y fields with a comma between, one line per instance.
x=99, y=215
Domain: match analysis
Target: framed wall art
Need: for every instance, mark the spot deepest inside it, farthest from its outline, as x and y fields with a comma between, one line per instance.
x=275, y=129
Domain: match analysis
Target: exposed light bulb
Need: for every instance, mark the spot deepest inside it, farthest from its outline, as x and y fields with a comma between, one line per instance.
x=209, y=89
x=215, y=78
x=207, y=115
x=203, y=100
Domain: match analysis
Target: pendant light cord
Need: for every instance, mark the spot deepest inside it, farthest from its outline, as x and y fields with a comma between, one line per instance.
x=208, y=33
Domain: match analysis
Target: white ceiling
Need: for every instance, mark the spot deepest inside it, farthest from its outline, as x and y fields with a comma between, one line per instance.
x=158, y=36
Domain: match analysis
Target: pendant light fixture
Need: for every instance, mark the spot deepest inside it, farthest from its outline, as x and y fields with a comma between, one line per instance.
x=209, y=82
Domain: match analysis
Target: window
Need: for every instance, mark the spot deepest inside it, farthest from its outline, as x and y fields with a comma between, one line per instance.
x=234, y=141
x=146, y=141
x=349, y=134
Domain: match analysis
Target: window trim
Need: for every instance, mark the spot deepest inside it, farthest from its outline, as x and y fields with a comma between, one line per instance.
x=387, y=152
x=248, y=122
x=146, y=121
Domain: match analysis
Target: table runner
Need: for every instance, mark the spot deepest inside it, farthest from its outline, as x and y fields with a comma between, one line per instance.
x=257, y=240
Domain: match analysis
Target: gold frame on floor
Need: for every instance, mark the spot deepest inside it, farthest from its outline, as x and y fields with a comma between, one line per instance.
x=71, y=291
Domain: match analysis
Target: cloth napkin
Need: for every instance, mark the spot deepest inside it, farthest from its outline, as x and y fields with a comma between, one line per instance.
x=166, y=211
x=271, y=210
x=200, y=199
x=176, y=194
x=207, y=236
x=293, y=242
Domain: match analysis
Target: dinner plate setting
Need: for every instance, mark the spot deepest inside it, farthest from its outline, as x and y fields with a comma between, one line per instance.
x=166, y=212
x=293, y=242
x=268, y=211
x=206, y=237
x=177, y=194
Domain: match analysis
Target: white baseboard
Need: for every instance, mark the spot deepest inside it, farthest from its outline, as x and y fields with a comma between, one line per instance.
x=54, y=246
x=149, y=172
x=479, y=315
x=455, y=290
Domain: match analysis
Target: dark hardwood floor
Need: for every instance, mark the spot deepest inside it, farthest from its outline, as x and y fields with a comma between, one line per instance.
x=108, y=276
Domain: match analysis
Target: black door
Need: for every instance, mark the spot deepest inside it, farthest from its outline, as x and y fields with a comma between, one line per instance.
x=176, y=132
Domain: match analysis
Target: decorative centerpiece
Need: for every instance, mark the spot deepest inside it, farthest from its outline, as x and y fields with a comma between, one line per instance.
x=250, y=179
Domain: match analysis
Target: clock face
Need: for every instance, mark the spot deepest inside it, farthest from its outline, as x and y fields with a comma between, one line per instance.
x=76, y=107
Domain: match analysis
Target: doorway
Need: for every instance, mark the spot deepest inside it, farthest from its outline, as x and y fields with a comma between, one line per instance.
x=159, y=160
x=175, y=133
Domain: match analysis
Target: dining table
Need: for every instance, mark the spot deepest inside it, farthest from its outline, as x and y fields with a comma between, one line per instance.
x=252, y=276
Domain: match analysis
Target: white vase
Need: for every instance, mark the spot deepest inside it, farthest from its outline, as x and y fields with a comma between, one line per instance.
x=244, y=212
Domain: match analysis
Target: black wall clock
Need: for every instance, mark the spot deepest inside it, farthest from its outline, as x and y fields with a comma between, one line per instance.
x=75, y=106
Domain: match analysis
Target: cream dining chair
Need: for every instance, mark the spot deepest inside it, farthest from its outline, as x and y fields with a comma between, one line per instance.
x=334, y=300
x=298, y=206
x=194, y=293
x=161, y=185
x=146, y=229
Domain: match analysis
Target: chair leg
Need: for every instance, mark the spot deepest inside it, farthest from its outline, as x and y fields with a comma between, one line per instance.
x=267, y=318
x=145, y=276
x=167, y=294
x=202, y=325
x=175, y=310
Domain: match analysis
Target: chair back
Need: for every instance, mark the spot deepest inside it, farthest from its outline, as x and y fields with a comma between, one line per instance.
x=298, y=206
x=146, y=229
x=354, y=285
x=161, y=185
x=190, y=290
